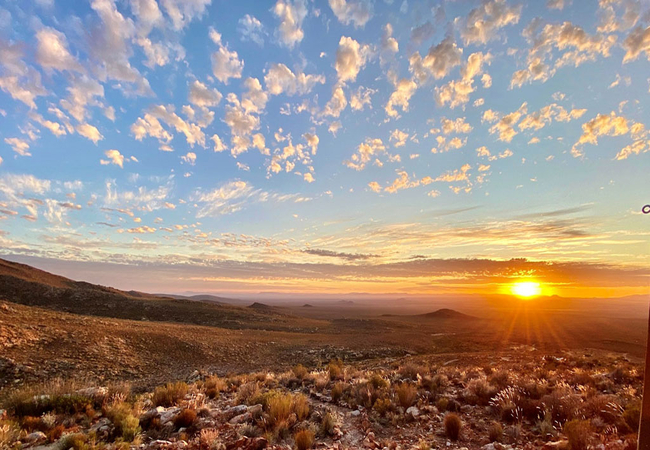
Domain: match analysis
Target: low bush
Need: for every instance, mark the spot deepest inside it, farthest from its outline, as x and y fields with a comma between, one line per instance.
x=336, y=370
x=213, y=386
x=126, y=424
x=169, y=394
x=337, y=391
x=185, y=418
x=300, y=371
x=495, y=432
x=406, y=394
x=578, y=432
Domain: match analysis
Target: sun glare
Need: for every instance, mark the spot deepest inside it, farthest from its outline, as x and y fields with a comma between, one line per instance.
x=526, y=289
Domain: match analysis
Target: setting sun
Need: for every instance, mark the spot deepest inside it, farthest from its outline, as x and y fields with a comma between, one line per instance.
x=526, y=289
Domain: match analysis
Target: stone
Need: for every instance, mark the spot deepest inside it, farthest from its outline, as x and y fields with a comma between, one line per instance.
x=413, y=412
x=36, y=436
x=242, y=418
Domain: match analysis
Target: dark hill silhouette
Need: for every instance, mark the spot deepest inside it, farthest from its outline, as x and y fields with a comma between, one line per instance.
x=446, y=313
x=20, y=283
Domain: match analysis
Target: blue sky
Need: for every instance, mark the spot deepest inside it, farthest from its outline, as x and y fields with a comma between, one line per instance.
x=328, y=146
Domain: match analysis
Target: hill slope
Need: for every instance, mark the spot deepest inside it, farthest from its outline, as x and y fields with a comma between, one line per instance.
x=20, y=283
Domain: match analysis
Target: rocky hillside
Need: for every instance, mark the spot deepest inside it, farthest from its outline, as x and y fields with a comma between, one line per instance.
x=518, y=401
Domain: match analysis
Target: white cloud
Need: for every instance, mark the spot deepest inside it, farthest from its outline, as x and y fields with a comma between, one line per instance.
x=280, y=79
x=401, y=96
x=225, y=63
x=612, y=125
x=201, y=95
x=573, y=46
x=20, y=146
x=438, y=62
x=251, y=29
x=182, y=12
x=189, y=158
x=361, y=97
x=357, y=12
x=20, y=81
x=336, y=104
x=291, y=15
x=483, y=22
x=52, y=51
x=365, y=152
x=89, y=132
x=351, y=57
x=81, y=94
x=114, y=157
x=637, y=42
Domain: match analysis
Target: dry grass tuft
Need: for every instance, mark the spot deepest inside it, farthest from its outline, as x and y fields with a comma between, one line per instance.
x=169, y=394
x=453, y=425
x=185, y=418
x=406, y=394
x=578, y=432
x=304, y=439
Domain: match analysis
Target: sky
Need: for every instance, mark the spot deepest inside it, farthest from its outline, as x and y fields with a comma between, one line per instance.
x=341, y=146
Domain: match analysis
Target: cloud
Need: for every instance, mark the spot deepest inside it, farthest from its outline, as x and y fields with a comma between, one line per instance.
x=438, y=62
x=341, y=255
x=389, y=45
x=458, y=125
x=351, y=57
x=201, y=95
x=484, y=22
x=361, y=97
x=637, y=42
x=251, y=29
x=456, y=92
x=403, y=181
x=280, y=79
x=357, y=12
x=612, y=125
x=572, y=44
x=52, y=51
x=114, y=157
x=182, y=12
x=111, y=48
x=20, y=81
x=82, y=91
x=291, y=15
x=398, y=137
x=404, y=90
x=150, y=126
x=189, y=158
x=89, y=132
x=422, y=33
x=336, y=104
x=225, y=63
x=20, y=146
x=365, y=152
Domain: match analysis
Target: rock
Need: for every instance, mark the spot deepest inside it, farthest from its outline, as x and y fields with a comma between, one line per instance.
x=35, y=437
x=234, y=411
x=413, y=412
x=355, y=413
x=255, y=410
x=246, y=443
x=555, y=445
x=242, y=418
x=168, y=414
